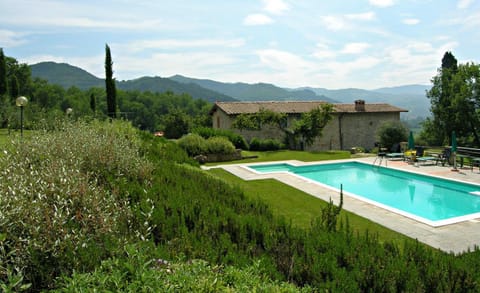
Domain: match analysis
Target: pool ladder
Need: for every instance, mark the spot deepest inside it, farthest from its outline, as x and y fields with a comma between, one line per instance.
x=380, y=158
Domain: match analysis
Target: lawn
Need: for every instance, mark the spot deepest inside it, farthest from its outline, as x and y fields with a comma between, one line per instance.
x=282, y=155
x=298, y=206
x=4, y=137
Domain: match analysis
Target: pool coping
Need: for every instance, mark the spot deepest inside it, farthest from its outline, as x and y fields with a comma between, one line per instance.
x=454, y=237
x=437, y=223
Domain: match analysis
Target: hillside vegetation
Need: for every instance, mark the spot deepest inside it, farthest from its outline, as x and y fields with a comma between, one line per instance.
x=102, y=206
x=412, y=98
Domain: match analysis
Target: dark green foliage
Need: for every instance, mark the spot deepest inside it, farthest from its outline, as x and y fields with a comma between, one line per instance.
x=391, y=133
x=3, y=74
x=455, y=100
x=13, y=88
x=93, y=103
x=110, y=85
x=176, y=124
x=237, y=140
x=268, y=144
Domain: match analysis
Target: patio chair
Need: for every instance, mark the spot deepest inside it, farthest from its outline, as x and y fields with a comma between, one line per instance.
x=395, y=153
x=420, y=158
x=445, y=156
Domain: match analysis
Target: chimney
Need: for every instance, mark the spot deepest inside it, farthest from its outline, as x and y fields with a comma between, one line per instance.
x=360, y=105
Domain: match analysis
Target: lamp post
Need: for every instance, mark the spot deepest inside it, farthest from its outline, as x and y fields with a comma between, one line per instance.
x=69, y=112
x=21, y=102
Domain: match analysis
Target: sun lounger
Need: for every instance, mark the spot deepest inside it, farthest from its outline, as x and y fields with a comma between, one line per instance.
x=392, y=156
x=427, y=159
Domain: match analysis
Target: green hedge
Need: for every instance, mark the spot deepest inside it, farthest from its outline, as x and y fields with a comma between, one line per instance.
x=257, y=144
x=238, y=141
x=219, y=145
x=195, y=144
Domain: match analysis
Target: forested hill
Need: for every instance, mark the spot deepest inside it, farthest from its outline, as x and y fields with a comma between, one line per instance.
x=255, y=92
x=67, y=75
x=410, y=97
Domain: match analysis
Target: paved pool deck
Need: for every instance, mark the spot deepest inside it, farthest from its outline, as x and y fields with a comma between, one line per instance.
x=456, y=238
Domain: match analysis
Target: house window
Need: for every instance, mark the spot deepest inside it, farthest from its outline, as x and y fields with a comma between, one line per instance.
x=218, y=121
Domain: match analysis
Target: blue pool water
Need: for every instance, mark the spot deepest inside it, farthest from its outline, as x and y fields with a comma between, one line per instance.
x=430, y=198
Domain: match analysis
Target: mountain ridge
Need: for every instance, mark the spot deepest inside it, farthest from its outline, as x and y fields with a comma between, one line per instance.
x=410, y=97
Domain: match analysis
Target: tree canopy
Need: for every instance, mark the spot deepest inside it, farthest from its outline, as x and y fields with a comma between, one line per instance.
x=455, y=103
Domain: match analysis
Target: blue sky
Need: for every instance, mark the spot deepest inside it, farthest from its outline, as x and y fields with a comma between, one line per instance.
x=331, y=44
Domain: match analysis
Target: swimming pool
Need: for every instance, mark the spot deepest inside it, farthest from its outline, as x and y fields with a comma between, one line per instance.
x=431, y=200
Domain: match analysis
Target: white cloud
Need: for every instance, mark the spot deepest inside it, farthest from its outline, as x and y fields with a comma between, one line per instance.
x=257, y=19
x=355, y=48
x=167, y=44
x=411, y=21
x=382, y=3
x=334, y=23
x=275, y=6
x=282, y=60
x=323, y=52
x=10, y=39
x=342, y=22
x=463, y=4
x=413, y=62
x=361, y=16
x=199, y=64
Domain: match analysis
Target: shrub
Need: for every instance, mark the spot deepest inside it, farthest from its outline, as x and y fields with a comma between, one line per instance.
x=219, y=145
x=193, y=144
x=61, y=208
x=265, y=145
x=238, y=141
x=392, y=132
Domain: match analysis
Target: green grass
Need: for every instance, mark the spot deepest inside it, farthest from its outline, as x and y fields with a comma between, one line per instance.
x=300, y=207
x=6, y=137
x=288, y=155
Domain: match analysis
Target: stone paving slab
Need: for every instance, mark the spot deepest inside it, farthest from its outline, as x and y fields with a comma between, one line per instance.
x=456, y=238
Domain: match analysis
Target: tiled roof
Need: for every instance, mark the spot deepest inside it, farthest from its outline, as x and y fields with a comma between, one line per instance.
x=292, y=107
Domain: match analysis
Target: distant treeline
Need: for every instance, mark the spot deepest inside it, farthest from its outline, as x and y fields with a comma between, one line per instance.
x=146, y=110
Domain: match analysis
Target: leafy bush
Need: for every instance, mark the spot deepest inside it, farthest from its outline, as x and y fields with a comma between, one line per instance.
x=62, y=209
x=257, y=144
x=219, y=145
x=193, y=144
x=238, y=141
x=176, y=124
x=392, y=132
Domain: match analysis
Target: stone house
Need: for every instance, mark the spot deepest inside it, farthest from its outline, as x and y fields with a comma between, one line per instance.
x=352, y=125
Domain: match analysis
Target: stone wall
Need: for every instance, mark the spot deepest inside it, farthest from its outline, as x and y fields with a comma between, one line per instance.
x=344, y=131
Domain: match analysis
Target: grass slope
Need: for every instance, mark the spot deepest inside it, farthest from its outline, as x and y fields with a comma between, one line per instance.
x=295, y=205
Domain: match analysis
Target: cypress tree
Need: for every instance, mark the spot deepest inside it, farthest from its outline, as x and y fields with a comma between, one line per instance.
x=93, y=105
x=110, y=84
x=14, y=88
x=3, y=74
